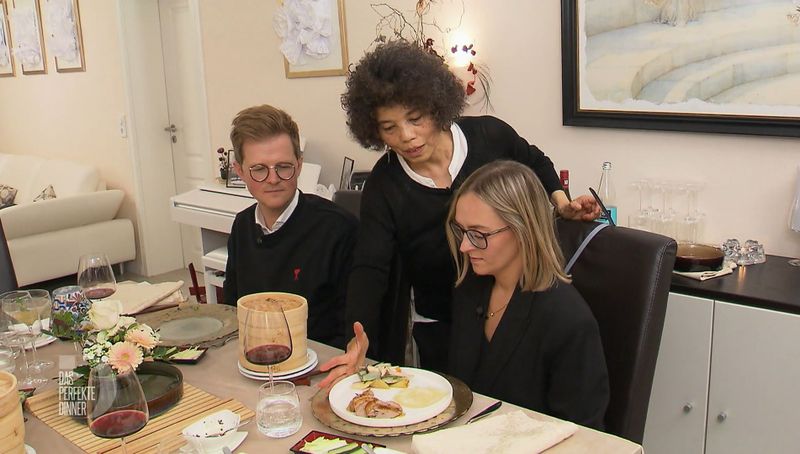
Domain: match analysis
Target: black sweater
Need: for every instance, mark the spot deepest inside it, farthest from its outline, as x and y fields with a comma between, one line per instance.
x=546, y=353
x=401, y=215
x=309, y=255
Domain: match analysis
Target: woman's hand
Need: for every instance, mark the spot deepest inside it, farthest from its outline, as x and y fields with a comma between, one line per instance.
x=582, y=208
x=347, y=364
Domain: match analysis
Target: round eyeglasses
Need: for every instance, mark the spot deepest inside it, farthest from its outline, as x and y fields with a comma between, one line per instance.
x=477, y=238
x=261, y=172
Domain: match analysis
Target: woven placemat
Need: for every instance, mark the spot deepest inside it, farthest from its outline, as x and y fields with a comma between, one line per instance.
x=194, y=405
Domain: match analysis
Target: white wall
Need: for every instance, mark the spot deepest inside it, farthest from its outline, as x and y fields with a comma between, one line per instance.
x=74, y=116
x=749, y=179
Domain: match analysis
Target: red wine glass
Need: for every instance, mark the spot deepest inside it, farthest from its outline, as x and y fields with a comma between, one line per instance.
x=116, y=406
x=266, y=337
x=96, y=277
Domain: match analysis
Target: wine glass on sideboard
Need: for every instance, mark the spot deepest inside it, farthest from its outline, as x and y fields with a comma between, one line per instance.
x=96, y=277
x=266, y=338
x=116, y=406
x=794, y=214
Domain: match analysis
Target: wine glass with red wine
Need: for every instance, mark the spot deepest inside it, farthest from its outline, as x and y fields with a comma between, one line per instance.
x=115, y=404
x=266, y=337
x=96, y=277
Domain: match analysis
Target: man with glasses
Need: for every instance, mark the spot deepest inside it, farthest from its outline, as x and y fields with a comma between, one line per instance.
x=287, y=241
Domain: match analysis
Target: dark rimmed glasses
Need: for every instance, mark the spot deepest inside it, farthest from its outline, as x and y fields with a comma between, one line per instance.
x=260, y=172
x=477, y=238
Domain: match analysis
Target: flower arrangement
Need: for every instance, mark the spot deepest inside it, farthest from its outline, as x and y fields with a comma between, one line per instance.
x=121, y=342
x=394, y=23
x=224, y=166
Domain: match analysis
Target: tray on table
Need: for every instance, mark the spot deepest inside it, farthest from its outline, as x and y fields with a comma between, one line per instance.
x=194, y=405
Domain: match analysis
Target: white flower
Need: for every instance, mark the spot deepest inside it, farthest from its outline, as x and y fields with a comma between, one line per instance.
x=122, y=323
x=105, y=314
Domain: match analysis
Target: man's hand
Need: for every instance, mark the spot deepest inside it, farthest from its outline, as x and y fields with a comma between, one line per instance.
x=347, y=364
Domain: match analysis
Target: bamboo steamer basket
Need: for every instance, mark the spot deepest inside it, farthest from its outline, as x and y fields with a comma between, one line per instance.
x=12, y=426
x=295, y=307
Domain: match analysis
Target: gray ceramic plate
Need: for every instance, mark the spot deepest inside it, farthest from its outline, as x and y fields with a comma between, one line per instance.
x=193, y=324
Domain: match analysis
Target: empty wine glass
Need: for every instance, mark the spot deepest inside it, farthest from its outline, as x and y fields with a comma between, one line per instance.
x=17, y=306
x=116, y=406
x=794, y=214
x=641, y=219
x=266, y=339
x=96, y=277
x=40, y=302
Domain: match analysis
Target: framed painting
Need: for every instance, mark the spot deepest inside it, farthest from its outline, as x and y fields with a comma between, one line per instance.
x=322, y=48
x=6, y=55
x=684, y=65
x=26, y=28
x=62, y=26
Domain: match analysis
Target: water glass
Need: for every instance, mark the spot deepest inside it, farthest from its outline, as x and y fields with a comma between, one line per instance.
x=8, y=360
x=278, y=409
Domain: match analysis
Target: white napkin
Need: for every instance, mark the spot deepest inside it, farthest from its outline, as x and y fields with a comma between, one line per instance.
x=727, y=268
x=137, y=296
x=510, y=433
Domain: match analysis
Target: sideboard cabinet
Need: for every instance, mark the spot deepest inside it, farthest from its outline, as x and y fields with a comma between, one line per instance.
x=728, y=372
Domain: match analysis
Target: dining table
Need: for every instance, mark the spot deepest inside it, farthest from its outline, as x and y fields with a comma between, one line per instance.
x=217, y=373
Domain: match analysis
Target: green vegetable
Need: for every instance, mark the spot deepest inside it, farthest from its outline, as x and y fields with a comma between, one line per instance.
x=348, y=448
x=322, y=445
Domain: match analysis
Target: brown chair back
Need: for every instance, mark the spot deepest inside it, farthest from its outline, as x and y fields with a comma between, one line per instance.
x=8, y=278
x=624, y=275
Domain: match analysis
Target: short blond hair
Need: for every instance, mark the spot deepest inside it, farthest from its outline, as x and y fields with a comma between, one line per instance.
x=518, y=197
x=263, y=122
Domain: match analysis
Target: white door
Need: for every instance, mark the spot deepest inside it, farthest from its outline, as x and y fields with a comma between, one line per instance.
x=183, y=71
x=753, y=400
x=154, y=32
x=676, y=417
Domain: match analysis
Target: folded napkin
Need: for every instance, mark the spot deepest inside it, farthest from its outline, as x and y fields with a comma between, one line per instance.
x=510, y=433
x=138, y=296
x=727, y=268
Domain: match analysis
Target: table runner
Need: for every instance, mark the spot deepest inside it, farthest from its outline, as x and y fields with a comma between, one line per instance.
x=194, y=405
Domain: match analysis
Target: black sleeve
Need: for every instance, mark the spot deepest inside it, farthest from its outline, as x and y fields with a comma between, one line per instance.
x=578, y=379
x=530, y=155
x=229, y=287
x=372, y=260
x=343, y=258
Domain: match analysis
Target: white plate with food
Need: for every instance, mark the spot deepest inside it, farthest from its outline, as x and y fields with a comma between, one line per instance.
x=388, y=402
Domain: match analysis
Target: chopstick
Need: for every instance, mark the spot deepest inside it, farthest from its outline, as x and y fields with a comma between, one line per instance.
x=602, y=207
x=485, y=412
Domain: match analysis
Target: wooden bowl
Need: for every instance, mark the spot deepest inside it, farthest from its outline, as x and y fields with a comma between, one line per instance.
x=12, y=427
x=162, y=384
x=692, y=257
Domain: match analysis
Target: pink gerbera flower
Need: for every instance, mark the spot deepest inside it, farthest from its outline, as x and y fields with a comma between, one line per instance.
x=142, y=336
x=124, y=356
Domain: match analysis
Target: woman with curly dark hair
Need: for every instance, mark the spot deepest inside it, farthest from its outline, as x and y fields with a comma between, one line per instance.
x=403, y=99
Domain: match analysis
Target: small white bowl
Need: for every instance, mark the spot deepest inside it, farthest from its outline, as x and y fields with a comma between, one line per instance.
x=208, y=432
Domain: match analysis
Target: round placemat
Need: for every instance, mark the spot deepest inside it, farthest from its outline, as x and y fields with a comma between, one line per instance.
x=462, y=400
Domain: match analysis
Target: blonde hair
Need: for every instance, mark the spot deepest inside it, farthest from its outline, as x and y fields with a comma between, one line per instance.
x=263, y=122
x=517, y=196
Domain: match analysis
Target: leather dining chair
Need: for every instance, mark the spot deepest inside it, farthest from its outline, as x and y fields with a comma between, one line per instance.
x=8, y=279
x=624, y=275
x=390, y=345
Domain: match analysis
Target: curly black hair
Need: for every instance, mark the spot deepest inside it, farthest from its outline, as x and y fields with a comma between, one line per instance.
x=399, y=73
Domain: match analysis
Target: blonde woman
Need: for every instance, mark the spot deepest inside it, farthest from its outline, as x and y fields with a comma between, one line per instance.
x=520, y=331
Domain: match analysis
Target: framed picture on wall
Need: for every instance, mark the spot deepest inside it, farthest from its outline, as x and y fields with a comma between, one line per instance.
x=64, y=38
x=683, y=66
x=26, y=30
x=324, y=52
x=6, y=56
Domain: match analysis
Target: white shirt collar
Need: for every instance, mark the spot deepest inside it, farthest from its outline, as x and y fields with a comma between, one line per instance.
x=457, y=161
x=281, y=219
